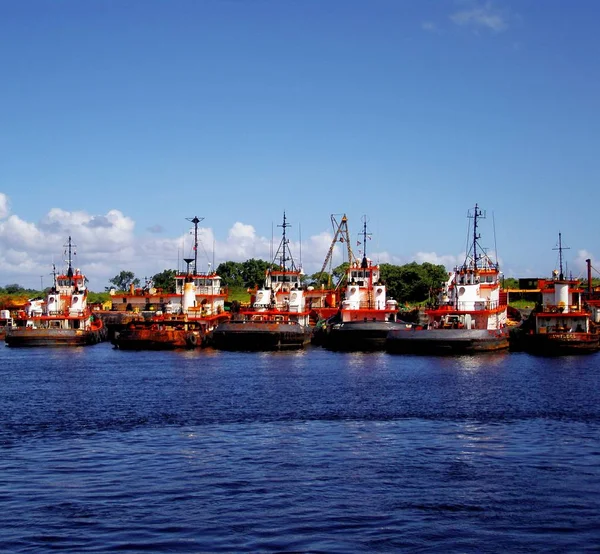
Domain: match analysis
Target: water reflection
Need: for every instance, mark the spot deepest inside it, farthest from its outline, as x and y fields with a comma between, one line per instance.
x=482, y=360
x=362, y=360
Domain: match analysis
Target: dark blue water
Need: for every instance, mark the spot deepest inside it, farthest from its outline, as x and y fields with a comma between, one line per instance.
x=106, y=450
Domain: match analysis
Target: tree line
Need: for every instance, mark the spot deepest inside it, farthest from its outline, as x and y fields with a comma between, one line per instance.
x=14, y=295
x=410, y=282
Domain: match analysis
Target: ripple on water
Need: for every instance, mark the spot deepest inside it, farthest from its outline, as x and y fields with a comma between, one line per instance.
x=311, y=451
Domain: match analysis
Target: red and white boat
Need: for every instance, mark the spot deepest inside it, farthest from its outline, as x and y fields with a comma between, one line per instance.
x=470, y=314
x=278, y=318
x=562, y=324
x=366, y=315
x=62, y=318
x=183, y=319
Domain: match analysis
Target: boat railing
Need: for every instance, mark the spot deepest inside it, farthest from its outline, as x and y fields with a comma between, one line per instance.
x=214, y=291
x=371, y=305
x=477, y=305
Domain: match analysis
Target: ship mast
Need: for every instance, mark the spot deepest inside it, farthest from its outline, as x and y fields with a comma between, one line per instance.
x=284, y=250
x=195, y=220
x=477, y=212
x=54, y=281
x=560, y=255
x=69, y=259
x=364, y=263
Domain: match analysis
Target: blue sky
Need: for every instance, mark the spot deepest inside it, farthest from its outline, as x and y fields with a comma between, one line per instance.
x=120, y=119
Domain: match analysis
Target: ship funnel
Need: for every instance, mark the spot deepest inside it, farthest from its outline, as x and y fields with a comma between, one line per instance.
x=189, y=296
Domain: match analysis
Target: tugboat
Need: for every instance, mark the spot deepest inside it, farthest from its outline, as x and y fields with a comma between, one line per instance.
x=185, y=318
x=63, y=318
x=470, y=315
x=366, y=315
x=278, y=318
x=561, y=324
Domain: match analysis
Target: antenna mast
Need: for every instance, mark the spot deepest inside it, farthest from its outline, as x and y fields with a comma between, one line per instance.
x=560, y=256
x=284, y=243
x=195, y=220
x=366, y=235
x=69, y=259
x=54, y=282
x=476, y=215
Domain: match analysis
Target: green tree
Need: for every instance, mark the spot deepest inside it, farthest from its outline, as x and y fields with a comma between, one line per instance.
x=253, y=272
x=391, y=275
x=165, y=280
x=231, y=273
x=339, y=273
x=123, y=280
x=412, y=282
x=320, y=278
x=13, y=289
x=510, y=283
x=243, y=274
x=436, y=275
x=97, y=297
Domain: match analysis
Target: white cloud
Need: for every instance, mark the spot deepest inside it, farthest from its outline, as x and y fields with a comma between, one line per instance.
x=14, y=232
x=28, y=250
x=314, y=253
x=4, y=207
x=429, y=26
x=242, y=231
x=243, y=244
x=105, y=244
x=580, y=265
x=447, y=260
x=382, y=257
x=481, y=16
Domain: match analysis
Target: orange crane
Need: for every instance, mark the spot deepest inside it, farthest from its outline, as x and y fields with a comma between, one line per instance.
x=341, y=235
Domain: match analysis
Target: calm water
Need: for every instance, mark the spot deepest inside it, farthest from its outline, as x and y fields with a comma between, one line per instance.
x=105, y=450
